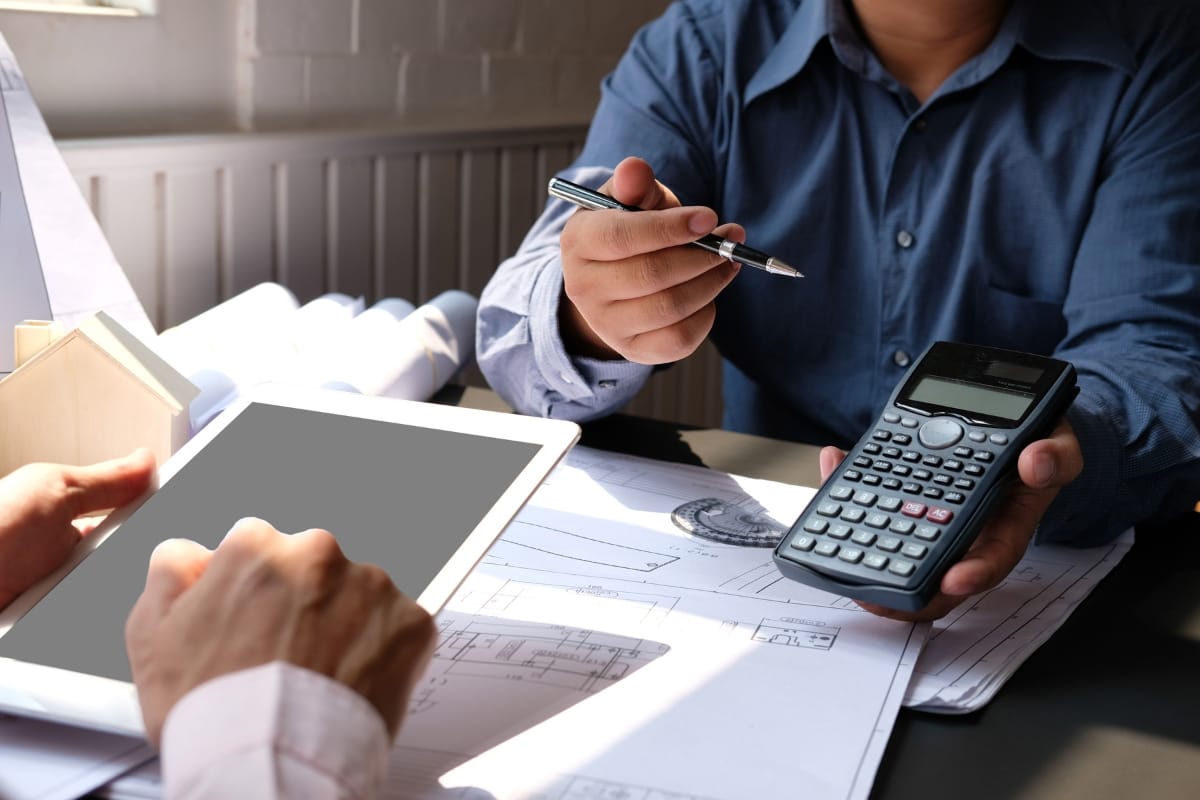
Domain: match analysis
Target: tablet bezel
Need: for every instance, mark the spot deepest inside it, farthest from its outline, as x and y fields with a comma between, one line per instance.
x=103, y=703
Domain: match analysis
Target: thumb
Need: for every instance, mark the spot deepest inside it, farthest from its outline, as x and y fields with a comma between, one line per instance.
x=108, y=484
x=1052, y=462
x=633, y=183
x=828, y=460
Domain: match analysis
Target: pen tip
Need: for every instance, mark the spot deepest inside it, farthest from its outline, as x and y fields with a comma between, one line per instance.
x=780, y=268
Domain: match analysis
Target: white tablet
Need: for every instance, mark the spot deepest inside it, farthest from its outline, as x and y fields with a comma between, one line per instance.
x=420, y=489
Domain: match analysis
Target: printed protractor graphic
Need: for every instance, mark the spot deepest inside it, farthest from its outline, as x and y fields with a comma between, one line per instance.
x=711, y=518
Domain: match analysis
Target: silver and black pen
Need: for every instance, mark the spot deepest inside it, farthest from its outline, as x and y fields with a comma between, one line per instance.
x=726, y=248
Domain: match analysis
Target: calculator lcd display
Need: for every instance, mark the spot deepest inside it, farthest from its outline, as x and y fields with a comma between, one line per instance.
x=971, y=398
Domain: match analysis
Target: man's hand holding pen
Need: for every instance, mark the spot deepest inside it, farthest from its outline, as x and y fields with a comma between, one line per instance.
x=634, y=286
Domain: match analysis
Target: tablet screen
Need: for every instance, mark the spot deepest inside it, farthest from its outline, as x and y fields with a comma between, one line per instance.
x=399, y=496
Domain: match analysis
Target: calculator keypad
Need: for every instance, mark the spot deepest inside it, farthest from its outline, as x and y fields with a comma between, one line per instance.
x=883, y=516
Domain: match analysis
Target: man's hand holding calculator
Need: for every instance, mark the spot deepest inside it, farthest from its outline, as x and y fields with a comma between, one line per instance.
x=1045, y=466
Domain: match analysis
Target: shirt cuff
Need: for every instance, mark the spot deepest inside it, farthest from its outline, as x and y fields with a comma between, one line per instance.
x=285, y=713
x=575, y=379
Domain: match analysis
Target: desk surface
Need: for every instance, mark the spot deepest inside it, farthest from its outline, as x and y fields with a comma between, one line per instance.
x=1109, y=707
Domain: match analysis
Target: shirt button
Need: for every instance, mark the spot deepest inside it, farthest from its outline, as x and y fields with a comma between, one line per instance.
x=901, y=358
x=566, y=378
x=607, y=383
x=905, y=239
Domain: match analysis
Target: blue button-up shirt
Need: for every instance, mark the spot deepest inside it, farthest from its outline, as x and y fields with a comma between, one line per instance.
x=1046, y=198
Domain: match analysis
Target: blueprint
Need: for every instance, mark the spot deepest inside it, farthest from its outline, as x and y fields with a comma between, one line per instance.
x=972, y=651
x=601, y=651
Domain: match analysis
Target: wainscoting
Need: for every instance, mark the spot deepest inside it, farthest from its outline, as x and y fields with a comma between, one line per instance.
x=196, y=219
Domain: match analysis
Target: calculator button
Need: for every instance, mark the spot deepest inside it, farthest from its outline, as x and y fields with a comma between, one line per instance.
x=963, y=452
x=966, y=484
x=902, y=439
x=892, y=484
x=985, y=456
x=815, y=525
x=829, y=509
x=913, y=488
x=839, y=531
x=827, y=549
x=931, y=461
x=908, y=422
x=878, y=520
x=866, y=498
x=875, y=561
x=977, y=436
x=853, y=515
x=804, y=543
x=865, y=538
x=852, y=475
x=933, y=492
x=998, y=438
x=862, y=461
x=882, y=466
x=872, y=448
x=841, y=493
x=912, y=456
x=891, y=452
x=881, y=435
x=958, y=498
x=891, y=417
x=973, y=469
x=941, y=479
x=903, y=526
x=902, y=568
x=889, y=504
x=913, y=509
x=913, y=550
x=851, y=554
x=939, y=515
x=929, y=533
x=903, y=470
x=952, y=465
x=870, y=479
x=939, y=433
x=889, y=544
x=922, y=474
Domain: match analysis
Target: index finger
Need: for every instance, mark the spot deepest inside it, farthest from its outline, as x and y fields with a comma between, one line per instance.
x=175, y=565
x=618, y=235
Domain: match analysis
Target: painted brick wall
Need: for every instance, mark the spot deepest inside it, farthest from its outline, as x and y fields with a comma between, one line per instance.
x=326, y=63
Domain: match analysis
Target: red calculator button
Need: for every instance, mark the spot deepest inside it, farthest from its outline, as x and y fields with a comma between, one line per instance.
x=939, y=515
x=911, y=509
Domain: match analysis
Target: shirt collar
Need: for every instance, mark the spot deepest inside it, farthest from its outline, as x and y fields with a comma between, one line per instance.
x=1069, y=30
x=1074, y=30
x=812, y=22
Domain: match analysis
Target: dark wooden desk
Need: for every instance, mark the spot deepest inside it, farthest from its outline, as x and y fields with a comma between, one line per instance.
x=1107, y=709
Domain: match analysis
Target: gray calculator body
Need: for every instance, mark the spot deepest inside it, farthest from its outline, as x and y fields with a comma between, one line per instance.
x=916, y=489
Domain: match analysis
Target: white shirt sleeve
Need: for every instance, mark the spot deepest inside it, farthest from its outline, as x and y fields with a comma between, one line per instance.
x=273, y=731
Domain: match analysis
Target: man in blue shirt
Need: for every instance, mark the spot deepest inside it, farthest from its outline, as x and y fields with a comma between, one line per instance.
x=1018, y=174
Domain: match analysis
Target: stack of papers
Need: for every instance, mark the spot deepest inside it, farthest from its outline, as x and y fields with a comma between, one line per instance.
x=972, y=652
x=603, y=649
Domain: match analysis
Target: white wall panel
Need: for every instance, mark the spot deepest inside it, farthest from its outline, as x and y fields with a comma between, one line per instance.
x=195, y=220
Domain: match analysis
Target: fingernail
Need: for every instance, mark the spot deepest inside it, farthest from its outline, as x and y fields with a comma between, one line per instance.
x=703, y=221
x=1043, y=468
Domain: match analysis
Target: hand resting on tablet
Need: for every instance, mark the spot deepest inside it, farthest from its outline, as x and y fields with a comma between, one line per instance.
x=264, y=596
x=39, y=505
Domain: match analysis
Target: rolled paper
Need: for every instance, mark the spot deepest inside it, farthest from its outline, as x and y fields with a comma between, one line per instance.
x=412, y=358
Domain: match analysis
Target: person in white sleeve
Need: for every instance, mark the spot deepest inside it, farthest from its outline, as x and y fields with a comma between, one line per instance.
x=270, y=667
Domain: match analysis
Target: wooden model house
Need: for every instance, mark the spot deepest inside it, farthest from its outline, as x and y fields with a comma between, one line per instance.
x=95, y=393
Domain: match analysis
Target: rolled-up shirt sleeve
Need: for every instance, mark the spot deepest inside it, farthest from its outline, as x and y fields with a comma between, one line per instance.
x=273, y=731
x=518, y=345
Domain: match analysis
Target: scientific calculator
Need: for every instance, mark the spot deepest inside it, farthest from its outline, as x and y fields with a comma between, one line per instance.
x=917, y=488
